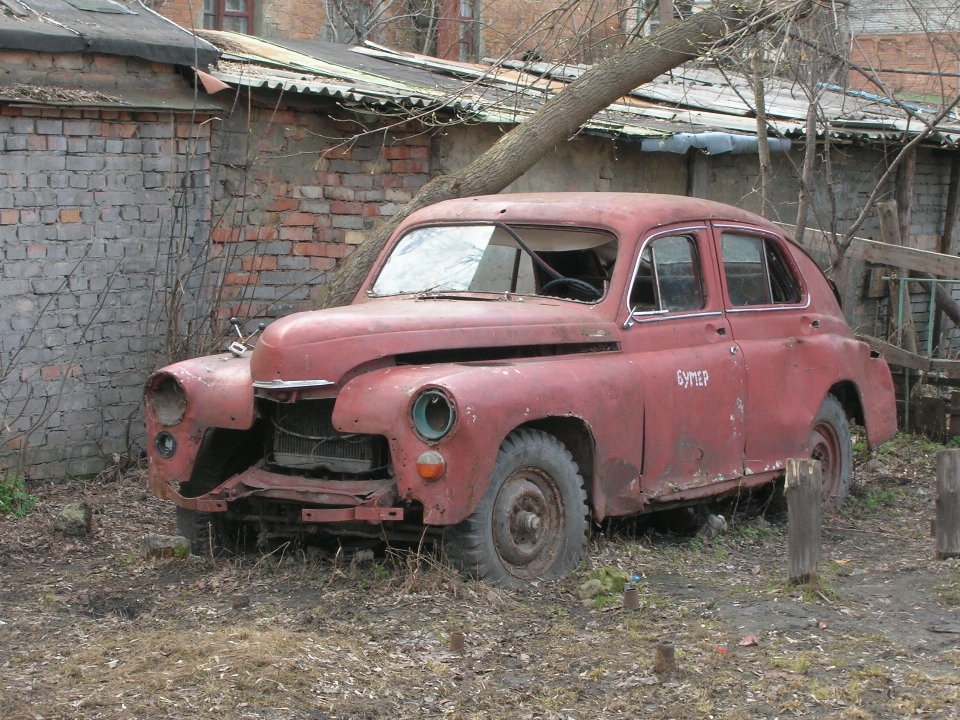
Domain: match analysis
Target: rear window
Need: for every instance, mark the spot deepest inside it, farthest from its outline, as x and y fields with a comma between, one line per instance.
x=756, y=271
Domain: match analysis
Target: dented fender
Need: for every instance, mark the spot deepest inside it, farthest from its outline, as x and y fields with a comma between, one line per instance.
x=490, y=401
x=219, y=394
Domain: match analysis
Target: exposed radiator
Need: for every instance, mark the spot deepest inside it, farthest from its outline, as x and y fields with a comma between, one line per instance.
x=305, y=439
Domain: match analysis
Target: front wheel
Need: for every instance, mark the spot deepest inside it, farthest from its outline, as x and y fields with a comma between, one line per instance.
x=531, y=522
x=830, y=444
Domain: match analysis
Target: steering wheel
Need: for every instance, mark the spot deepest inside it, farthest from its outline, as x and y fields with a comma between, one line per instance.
x=575, y=283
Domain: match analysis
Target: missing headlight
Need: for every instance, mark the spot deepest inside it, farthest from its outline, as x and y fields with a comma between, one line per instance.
x=433, y=415
x=168, y=400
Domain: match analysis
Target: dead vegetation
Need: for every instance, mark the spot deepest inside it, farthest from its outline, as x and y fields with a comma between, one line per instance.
x=91, y=630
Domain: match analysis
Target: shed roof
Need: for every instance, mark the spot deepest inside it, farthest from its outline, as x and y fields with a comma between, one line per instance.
x=697, y=100
x=112, y=27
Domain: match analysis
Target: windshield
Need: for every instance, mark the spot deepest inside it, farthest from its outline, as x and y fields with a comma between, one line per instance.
x=559, y=262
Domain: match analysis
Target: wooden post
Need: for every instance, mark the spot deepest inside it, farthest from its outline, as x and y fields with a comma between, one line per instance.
x=698, y=174
x=890, y=230
x=666, y=13
x=803, y=488
x=947, y=529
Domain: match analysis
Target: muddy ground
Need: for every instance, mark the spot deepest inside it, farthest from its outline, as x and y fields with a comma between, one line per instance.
x=89, y=629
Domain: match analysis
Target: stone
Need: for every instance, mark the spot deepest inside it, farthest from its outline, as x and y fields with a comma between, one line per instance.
x=164, y=546
x=74, y=519
x=590, y=589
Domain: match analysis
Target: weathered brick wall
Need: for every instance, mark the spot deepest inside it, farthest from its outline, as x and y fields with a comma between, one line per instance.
x=290, y=202
x=908, y=51
x=90, y=201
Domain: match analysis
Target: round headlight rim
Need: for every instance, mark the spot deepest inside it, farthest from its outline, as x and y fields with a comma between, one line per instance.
x=167, y=399
x=418, y=414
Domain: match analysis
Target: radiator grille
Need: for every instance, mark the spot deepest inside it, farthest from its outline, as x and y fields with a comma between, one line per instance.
x=305, y=439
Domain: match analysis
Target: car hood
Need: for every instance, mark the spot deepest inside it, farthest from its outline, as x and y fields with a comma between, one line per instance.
x=326, y=344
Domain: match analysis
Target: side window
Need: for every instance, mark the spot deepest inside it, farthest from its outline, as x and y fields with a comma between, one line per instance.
x=668, y=278
x=756, y=272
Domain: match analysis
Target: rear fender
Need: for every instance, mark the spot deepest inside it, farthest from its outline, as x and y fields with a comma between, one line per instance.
x=491, y=400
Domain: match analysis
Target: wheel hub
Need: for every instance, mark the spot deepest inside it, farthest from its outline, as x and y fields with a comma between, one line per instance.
x=826, y=449
x=528, y=522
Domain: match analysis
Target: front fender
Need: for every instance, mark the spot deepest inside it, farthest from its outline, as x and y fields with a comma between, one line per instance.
x=491, y=400
x=219, y=394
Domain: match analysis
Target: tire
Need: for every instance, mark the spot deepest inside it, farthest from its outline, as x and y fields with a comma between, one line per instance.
x=531, y=522
x=830, y=444
x=209, y=533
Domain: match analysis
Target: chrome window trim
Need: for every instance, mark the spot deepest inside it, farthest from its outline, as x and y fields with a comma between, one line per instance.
x=660, y=314
x=290, y=384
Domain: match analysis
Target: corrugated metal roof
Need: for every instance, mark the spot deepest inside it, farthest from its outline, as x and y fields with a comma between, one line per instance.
x=697, y=98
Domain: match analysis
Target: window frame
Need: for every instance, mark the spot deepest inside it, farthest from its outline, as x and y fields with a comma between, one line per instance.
x=696, y=235
x=779, y=243
x=221, y=12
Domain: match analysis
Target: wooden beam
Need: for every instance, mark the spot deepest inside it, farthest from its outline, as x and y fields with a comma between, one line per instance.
x=948, y=239
x=937, y=264
x=906, y=175
x=901, y=358
x=890, y=219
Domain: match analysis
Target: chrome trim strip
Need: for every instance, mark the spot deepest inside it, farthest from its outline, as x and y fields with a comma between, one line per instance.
x=658, y=316
x=290, y=384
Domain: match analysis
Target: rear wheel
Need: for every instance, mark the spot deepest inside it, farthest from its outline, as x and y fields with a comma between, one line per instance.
x=830, y=444
x=532, y=520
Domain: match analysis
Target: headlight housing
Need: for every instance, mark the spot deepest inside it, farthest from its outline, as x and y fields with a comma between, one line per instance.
x=433, y=414
x=168, y=400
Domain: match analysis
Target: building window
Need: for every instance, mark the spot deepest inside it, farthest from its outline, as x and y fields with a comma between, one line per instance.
x=231, y=15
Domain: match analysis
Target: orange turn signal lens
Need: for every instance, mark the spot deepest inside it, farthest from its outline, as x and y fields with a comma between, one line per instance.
x=431, y=465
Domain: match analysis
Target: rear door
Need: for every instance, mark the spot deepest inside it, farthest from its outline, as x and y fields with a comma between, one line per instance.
x=679, y=339
x=768, y=307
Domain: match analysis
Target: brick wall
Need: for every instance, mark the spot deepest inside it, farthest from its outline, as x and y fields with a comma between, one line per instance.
x=290, y=202
x=89, y=202
x=910, y=51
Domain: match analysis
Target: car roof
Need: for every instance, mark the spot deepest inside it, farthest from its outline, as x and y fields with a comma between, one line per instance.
x=621, y=211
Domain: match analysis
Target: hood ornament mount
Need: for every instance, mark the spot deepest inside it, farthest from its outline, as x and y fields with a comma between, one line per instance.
x=239, y=347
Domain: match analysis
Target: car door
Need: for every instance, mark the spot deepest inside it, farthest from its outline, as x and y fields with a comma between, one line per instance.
x=678, y=339
x=767, y=305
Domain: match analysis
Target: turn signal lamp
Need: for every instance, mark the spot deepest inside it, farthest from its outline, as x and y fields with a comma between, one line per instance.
x=431, y=465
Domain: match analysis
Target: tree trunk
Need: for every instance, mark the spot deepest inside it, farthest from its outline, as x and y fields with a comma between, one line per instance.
x=763, y=145
x=561, y=117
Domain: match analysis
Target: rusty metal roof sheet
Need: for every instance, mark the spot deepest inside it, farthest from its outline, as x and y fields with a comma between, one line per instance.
x=697, y=98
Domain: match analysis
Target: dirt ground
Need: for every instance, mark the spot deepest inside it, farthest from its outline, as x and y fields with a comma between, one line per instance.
x=89, y=629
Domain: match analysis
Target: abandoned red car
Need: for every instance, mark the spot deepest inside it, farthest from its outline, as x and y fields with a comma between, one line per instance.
x=516, y=365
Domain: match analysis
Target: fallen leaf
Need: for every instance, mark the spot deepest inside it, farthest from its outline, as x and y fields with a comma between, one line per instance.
x=749, y=640
x=721, y=649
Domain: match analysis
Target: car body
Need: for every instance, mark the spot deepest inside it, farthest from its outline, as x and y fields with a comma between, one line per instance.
x=516, y=364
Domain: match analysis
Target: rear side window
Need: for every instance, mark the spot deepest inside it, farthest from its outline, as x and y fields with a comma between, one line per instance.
x=668, y=278
x=756, y=272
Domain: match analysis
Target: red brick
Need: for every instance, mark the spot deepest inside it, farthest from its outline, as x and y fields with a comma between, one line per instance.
x=36, y=251
x=300, y=233
x=17, y=443
x=119, y=130
x=338, y=207
x=73, y=371
x=396, y=152
x=309, y=249
x=322, y=264
x=51, y=372
x=333, y=250
x=327, y=179
x=70, y=216
x=283, y=205
x=9, y=217
x=259, y=262
x=262, y=233
x=298, y=219
x=158, y=67
x=420, y=151
x=371, y=210
x=284, y=117
x=388, y=181
x=7, y=110
x=241, y=278
x=14, y=57
x=407, y=166
x=224, y=235
x=338, y=153
x=36, y=142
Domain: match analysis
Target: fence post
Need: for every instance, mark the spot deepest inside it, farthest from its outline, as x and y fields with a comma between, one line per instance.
x=947, y=529
x=803, y=490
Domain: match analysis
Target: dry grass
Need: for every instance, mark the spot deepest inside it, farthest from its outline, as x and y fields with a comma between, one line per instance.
x=93, y=631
